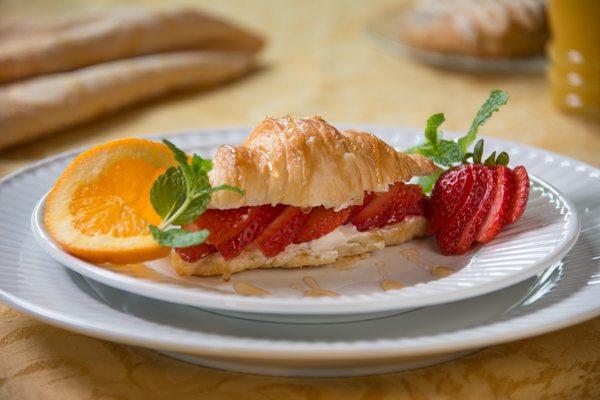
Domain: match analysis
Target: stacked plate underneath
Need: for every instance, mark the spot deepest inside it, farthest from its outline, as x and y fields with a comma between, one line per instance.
x=402, y=307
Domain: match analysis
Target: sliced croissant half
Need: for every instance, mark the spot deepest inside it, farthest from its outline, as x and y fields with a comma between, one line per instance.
x=304, y=174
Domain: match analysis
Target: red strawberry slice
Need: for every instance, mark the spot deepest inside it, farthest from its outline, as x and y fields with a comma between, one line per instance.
x=320, y=222
x=520, y=194
x=495, y=219
x=282, y=231
x=195, y=253
x=450, y=230
x=369, y=196
x=374, y=213
x=485, y=179
x=409, y=201
x=449, y=193
x=222, y=224
x=258, y=218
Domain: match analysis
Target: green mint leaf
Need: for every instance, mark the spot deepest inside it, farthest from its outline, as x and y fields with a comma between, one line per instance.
x=228, y=187
x=199, y=204
x=443, y=152
x=478, y=151
x=448, y=153
x=168, y=192
x=180, y=196
x=195, y=208
x=414, y=149
x=179, y=154
x=431, y=129
x=182, y=160
x=496, y=99
x=428, y=181
x=201, y=167
x=178, y=237
x=502, y=159
x=491, y=160
x=425, y=149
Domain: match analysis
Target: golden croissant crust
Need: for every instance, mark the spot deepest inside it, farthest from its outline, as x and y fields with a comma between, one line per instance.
x=306, y=162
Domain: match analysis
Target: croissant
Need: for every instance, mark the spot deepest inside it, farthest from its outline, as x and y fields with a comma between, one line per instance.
x=308, y=163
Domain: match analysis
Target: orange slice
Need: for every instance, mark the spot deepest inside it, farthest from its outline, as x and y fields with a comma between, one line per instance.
x=99, y=208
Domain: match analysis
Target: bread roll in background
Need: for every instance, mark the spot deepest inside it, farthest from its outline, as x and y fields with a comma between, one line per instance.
x=478, y=28
x=36, y=47
x=34, y=107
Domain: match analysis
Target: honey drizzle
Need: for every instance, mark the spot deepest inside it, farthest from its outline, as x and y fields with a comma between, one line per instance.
x=248, y=289
x=439, y=271
x=387, y=283
x=314, y=291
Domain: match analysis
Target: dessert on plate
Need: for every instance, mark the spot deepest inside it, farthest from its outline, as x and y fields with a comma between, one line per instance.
x=298, y=192
x=312, y=195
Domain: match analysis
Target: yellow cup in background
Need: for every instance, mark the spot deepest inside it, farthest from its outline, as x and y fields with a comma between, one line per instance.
x=574, y=53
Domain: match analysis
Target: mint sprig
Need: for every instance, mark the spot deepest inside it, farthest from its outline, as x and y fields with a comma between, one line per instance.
x=496, y=99
x=447, y=153
x=180, y=196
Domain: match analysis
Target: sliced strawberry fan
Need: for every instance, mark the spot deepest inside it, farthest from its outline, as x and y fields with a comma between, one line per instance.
x=472, y=202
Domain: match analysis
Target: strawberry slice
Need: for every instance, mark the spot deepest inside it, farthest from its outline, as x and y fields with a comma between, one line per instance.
x=195, y=253
x=258, y=218
x=451, y=229
x=449, y=193
x=282, y=231
x=495, y=219
x=374, y=213
x=520, y=194
x=369, y=196
x=320, y=222
x=408, y=201
x=485, y=182
x=222, y=224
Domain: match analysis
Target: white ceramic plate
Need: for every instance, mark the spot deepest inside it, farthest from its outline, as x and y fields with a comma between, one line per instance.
x=385, y=30
x=31, y=281
x=547, y=230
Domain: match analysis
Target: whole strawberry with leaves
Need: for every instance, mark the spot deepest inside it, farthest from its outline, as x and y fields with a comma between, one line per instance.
x=472, y=199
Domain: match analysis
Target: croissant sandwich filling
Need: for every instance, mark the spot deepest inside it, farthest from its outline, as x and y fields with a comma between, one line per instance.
x=270, y=229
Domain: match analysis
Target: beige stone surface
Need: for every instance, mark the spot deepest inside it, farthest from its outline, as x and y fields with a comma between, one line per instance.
x=318, y=61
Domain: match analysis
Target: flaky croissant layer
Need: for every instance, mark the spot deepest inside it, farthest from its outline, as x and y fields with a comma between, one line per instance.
x=306, y=162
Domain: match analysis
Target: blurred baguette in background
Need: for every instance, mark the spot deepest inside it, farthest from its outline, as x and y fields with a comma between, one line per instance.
x=35, y=47
x=37, y=106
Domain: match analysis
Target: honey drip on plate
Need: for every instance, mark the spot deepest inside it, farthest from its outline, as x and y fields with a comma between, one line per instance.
x=315, y=290
x=349, y=263
x=441, y=272
x=413, y=255
x=136, y=270
x=387, y=283
x=248, y=289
